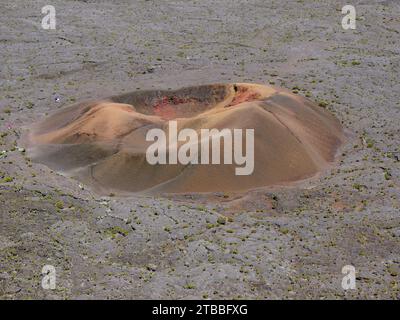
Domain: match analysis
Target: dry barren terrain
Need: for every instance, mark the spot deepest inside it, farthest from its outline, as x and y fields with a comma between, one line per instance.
x=267, y=244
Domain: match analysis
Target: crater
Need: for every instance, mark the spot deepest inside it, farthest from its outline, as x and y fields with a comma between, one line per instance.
x=102, y=143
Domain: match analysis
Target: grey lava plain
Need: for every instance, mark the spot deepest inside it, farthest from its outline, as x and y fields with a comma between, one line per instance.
x=275, y=242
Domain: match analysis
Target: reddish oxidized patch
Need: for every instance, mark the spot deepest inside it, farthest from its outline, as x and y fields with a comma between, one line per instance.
x=165, y=107
x=243, y=94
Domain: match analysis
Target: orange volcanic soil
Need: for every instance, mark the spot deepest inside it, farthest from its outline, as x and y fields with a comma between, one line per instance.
x=102, y=143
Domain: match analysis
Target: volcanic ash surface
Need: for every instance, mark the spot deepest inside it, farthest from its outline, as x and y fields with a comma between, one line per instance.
x=103, y=143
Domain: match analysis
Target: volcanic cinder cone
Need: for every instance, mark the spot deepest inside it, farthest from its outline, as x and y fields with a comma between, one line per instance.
x=103, y=143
